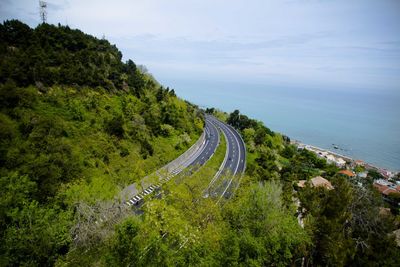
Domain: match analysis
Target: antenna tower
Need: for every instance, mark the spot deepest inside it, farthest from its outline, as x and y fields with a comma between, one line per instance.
x=43, y=11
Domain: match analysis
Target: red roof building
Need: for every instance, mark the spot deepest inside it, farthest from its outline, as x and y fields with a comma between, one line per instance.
x=347, y=172
x=385, y=190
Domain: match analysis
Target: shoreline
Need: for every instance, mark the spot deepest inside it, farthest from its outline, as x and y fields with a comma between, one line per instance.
x=335, y=154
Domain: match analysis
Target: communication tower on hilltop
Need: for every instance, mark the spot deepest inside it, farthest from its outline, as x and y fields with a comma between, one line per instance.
x=43, y=11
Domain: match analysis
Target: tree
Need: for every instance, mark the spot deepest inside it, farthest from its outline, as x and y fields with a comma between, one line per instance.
x=37, y=236
x=355, y=211
x=233, y=119
x=260, y=135
x=115, y=126
x=266, y=233
x=126, y=244
x=266, y=165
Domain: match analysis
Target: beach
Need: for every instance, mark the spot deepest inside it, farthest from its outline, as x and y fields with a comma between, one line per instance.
x=341, y=160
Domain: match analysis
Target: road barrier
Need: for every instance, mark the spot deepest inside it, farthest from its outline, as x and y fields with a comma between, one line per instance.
x=166, y=172
x=184, y=159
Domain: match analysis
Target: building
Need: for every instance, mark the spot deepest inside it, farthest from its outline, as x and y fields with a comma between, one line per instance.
x=316, y=182
x=359, y=163
x=347, y=172
x=387, y=174
x=386, y=187
x=335, y=160
x=362, y=174
x=340, y=162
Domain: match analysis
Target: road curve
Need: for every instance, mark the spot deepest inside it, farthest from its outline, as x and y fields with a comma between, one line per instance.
x=233, y=165
x=195, y=160
x=212, y=142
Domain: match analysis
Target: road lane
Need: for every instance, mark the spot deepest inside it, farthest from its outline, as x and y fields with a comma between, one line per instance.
x=212, y=139
x=233, y=167
x=195, y=161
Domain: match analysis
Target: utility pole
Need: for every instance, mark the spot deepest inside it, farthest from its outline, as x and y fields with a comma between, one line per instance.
x=43, y=11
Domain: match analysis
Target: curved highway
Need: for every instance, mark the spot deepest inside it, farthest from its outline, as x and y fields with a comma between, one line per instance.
x=227, y=179
x=197, y=159
x=211, y=144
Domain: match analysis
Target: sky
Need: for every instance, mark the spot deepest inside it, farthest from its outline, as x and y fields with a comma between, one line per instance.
x=317, y=43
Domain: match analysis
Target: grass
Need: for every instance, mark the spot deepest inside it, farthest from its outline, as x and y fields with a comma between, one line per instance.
x=200, y=179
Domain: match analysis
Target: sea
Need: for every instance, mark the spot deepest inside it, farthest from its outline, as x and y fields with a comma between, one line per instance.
x=361, y=124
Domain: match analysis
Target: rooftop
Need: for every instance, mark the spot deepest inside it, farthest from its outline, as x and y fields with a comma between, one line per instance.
x=317, y=182
x=347, y=172
x=385, y=189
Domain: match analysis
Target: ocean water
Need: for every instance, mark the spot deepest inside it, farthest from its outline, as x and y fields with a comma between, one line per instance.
x=363, y=124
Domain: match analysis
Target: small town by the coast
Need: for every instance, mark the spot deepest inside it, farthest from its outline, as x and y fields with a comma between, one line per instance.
x=385, y=181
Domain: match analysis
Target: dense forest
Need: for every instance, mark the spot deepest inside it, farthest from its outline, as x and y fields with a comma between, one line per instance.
x=77, y=125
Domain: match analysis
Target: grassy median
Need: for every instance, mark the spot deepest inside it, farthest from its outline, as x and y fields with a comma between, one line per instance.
x=199, y=180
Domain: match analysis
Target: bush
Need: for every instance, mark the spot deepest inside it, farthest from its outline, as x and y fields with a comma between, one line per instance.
x=115, y=126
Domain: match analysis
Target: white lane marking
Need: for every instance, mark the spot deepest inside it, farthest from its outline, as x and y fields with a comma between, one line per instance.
x=237, y=142
x=222, y=166
x=237, y=166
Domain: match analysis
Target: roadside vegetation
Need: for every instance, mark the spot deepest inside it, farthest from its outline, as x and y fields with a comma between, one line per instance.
x=77, y=125
x=66, y=142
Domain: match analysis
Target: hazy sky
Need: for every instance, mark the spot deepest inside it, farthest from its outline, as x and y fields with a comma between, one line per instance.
x=333, y=43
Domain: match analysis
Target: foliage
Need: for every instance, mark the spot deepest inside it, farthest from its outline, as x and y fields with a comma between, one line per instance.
x=76, y=125
x=355, y=211
x=59, y=55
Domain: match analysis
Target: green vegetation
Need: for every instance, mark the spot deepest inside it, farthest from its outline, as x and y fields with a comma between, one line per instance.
x=77, y=125
x=65, y=142
x=202, y=177
x=344, y=225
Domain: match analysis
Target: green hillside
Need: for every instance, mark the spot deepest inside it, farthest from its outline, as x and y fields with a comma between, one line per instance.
x=77, y=125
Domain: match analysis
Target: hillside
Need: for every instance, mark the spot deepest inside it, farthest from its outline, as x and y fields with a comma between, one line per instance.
x=77, y=125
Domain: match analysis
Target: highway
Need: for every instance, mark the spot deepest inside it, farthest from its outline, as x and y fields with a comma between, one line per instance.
x=222, y=185
x=226, y=180
x=194, y=161
x=212, y=142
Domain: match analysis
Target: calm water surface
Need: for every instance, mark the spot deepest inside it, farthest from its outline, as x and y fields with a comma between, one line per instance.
x=364, y=125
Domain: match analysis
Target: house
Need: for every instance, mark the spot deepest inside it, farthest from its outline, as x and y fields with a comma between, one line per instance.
x=362, y=174
x=359, y=163
x=337, y=161
x=340, y=162
x=330, y=158
x=347, y=172
x=387, y=174
x=316, y=182
x=386, y=187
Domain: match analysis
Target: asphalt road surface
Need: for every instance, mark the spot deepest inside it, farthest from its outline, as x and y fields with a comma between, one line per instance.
x=196, y=160
x=233, y=165
x=212, y=142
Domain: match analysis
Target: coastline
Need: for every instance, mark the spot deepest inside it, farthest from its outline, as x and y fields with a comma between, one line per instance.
x=322, y=151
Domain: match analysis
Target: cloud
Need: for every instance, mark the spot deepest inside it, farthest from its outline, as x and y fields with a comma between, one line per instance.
x=319, y=41
x=51, y=6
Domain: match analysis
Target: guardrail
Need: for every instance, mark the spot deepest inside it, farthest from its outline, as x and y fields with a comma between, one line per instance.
x=183, y=158
x=164, y=173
